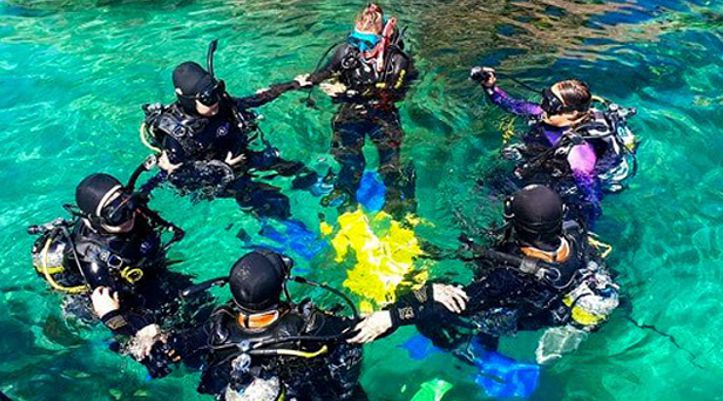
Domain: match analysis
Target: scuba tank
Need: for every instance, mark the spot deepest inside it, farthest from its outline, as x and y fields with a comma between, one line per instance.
x=55, y=249
x=593, y=299
x=624, y=143
x=588, y=305
x=49, y=254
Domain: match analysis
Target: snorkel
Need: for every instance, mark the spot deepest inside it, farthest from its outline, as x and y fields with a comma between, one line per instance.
x=243, y=122
x=212, y=46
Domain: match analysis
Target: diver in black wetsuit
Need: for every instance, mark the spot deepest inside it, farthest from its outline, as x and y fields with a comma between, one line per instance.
x=371, y=73
x=205, y=139
x=262, y=346
x=113, y=247
x=542, y=273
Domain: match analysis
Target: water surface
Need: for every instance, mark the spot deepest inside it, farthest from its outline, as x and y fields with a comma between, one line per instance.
x=74, y=75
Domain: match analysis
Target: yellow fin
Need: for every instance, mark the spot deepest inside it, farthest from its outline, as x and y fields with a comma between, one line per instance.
x=384, y=254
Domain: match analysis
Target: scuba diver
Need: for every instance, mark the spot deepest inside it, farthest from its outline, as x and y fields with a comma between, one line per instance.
x=204, y=141
x=571, y=145
x=259, y=344
x=368, y=74
x=114, y=247
x=262, y=347
x=544, y=272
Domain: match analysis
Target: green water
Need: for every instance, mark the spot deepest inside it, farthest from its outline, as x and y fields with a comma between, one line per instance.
x=74, y=76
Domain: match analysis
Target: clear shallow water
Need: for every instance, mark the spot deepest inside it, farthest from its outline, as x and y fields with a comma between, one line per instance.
x=74, y=76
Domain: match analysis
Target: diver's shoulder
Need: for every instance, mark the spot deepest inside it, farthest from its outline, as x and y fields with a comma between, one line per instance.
x=320, y=322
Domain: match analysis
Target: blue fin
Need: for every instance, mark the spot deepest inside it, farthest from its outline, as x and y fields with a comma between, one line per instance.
x=292, y=236
x=371, y=192
x=503, y=377
x=419, y=347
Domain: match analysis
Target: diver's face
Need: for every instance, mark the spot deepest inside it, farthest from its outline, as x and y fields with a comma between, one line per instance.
x=124, y=227
x=207, y=111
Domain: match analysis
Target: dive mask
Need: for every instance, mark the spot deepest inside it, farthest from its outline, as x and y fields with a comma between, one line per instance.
x=121, y=209
x=551, y=104
x=209, y=96
x=364, y=41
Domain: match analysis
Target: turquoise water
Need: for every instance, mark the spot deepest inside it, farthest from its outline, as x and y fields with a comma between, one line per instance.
x=74, y=76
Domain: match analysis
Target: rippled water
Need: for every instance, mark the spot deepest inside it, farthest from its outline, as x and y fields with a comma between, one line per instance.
x=74, y=75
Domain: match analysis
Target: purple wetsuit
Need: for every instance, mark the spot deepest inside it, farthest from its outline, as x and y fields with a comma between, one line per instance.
x=581, y=158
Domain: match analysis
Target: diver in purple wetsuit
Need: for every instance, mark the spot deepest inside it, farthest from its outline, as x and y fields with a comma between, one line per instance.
x=560, y=141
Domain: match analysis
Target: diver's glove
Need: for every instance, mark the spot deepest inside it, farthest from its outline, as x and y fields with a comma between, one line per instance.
x=304, y=81
x=204, y=179
x=276, y=90
x=406, y=311
x=106, y=305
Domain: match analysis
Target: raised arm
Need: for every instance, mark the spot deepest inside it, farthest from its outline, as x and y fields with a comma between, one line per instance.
x=487, y=77
x=518, y=107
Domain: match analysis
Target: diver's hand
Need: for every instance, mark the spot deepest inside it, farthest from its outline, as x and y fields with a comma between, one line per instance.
x=452, y=297
x=332, y=89
x=165, y=164
x=372, y=327
x=303, y=81
x=145, y=339
x=104, y=301
x=232, y=161
x=486, y=76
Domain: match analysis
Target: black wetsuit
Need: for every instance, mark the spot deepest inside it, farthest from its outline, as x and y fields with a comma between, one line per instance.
x=132, y=264
x=503, y=298
x=333, y=375
x=368, y=107
x=202, y=144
